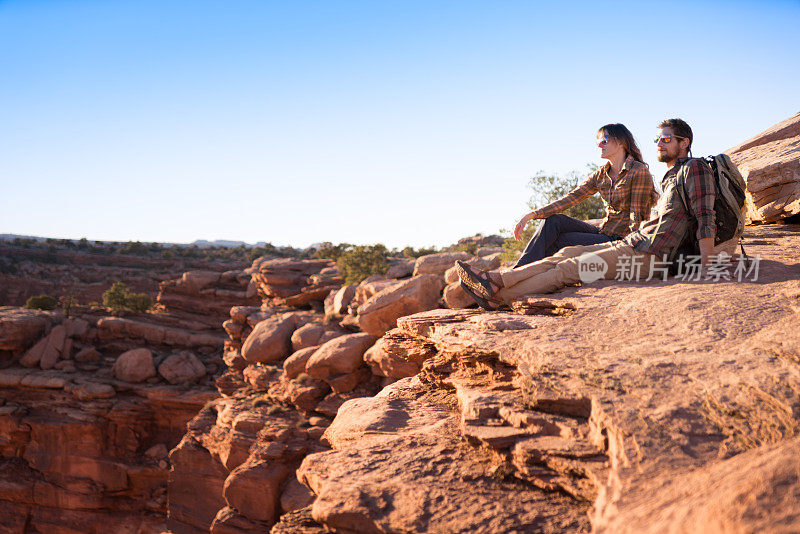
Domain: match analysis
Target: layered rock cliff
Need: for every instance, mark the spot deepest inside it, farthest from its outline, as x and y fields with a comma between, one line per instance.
x=769, y=164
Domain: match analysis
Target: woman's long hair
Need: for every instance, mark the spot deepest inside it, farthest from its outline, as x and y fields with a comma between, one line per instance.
x=620, y=133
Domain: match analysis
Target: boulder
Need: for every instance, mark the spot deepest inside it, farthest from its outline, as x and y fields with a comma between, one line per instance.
x=367, y=288
x=342, y=299
x=307, y=336
x=253, y=489
x=327, y=304
x=88, y=355
x=195, y=281
x=379, y=314
x=296, y=363
x=76, y=327
x=47, y=351
x=488, y=251
x=339, y=356
x=134, y=366
x=182, y=367
x=270, y=340
x=456, y=298
x=400, y=268
x=20, y=327
x=485, y=264
x=295, y=496
x=438, y=263
x=348, y=381
x=398, y=354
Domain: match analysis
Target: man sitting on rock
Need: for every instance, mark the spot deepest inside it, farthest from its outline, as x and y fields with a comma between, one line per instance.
x=656, y=240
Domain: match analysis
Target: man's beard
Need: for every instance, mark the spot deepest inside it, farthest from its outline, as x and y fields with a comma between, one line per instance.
x=663, y=158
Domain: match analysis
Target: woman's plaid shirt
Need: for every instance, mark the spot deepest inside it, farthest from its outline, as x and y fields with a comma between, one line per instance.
x=662, y=234
x=627, y=198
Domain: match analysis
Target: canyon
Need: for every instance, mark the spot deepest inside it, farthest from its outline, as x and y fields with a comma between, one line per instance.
x=274, y=397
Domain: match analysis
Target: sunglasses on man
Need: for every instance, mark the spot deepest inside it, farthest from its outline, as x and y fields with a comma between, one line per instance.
x=667, y=139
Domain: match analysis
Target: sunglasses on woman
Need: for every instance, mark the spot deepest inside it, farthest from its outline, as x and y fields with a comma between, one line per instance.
x=667, y=139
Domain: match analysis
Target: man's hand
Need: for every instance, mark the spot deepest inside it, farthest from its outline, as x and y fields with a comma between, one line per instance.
x=706, y=249
x=521, y=225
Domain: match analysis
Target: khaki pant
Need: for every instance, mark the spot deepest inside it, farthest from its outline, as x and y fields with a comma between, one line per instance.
x=564, y=267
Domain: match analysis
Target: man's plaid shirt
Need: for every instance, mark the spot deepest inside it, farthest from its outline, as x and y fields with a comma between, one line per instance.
x=663, y=234
x=627, y=198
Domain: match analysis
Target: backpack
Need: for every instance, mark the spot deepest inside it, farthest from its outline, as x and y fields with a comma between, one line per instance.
x=729, y=210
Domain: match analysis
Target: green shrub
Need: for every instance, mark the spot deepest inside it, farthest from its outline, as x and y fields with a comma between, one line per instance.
x=545, y=188
x=330, y=251
x=411, y=252
x=139, y=302
x=41, y=302
x=119, y=299
x=360, y=261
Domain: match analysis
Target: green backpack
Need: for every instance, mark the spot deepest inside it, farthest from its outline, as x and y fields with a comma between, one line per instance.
x=729, y=189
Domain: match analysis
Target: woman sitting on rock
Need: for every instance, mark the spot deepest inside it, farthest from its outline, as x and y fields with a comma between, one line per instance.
x=625, y=185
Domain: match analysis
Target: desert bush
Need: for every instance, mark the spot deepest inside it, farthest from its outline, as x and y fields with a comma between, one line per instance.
x=119, y=299
x=545, y=188
x=9, y=265
x=411, y=252
x=139, y=302
x=41, y=302
x=330, y=251
x=360, y=261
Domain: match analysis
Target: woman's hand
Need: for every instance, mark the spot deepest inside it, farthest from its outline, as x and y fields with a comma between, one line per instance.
x=522, y=223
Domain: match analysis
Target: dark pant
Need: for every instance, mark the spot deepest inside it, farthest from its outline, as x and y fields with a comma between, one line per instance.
x=559, y=231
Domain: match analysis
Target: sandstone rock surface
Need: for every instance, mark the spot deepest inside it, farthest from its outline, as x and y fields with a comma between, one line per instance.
x=438, y=263
x=270, y=340
x=770, y=165
x=181, y=367
x=685, y=424
x=296, y=282
x=379, y=314
x=339, y=357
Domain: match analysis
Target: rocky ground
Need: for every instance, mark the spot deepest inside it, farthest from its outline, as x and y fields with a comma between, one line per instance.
x=388, y=407
x=276, y=399
x=620, y=407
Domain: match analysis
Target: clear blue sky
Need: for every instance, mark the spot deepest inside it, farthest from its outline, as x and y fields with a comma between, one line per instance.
x=400, y=122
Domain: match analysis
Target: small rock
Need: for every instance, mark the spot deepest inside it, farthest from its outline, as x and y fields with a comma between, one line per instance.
x=65, y=366
x=318, y=421
x=157, y=451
